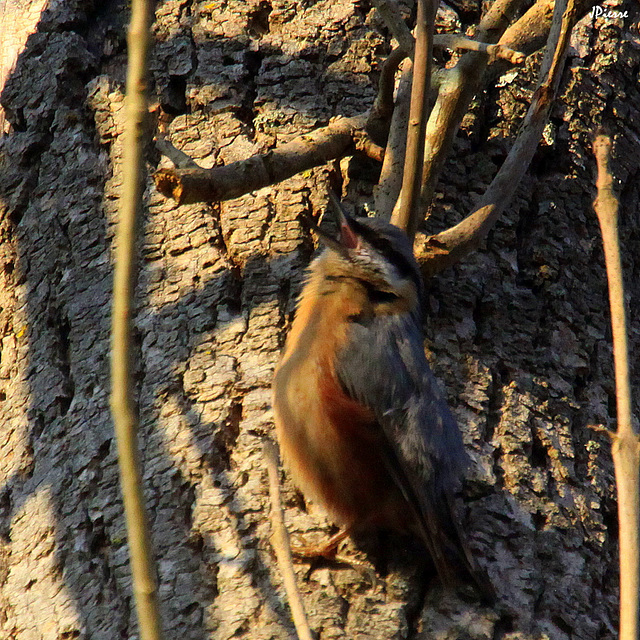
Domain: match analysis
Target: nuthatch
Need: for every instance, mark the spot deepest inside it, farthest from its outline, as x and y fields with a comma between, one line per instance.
x=361, y=422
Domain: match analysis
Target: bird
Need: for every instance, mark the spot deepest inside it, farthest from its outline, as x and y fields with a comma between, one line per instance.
x=361, y=421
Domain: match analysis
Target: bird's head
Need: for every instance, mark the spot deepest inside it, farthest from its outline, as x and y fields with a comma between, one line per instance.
x=375, y=256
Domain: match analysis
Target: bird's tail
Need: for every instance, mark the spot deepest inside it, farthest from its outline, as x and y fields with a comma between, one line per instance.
x=443, y=536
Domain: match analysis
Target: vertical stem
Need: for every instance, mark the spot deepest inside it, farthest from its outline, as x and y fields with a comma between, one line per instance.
x=123, y=406
x=406, y=215
x=390, y=183
x=626, y=456
x=282, y=547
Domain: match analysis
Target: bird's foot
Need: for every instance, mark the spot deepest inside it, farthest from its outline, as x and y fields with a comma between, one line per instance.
x=327, y=550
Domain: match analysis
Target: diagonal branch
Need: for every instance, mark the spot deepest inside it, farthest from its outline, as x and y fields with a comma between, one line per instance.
x=390, y=13
x=379, y=119
x=179, y=158
x=281, y=545
x=448, y=247
x=189, y=185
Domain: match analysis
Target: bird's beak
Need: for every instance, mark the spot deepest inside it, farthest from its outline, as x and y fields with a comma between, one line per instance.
x=348, y=238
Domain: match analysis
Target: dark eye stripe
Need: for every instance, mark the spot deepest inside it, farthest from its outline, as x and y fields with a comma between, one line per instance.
x=378, y=297
x=384, y=246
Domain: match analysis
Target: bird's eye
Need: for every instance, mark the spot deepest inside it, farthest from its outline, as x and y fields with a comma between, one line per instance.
x=380, y=297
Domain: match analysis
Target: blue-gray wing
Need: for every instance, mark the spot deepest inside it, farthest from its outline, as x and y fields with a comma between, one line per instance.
x=384, y=367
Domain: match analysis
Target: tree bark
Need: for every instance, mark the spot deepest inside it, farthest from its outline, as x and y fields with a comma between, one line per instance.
x=518, y=333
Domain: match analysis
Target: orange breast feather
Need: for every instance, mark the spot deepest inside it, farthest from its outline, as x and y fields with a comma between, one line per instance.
x=330, y=441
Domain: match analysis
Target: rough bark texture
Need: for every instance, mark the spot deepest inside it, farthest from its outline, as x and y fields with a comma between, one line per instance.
x=18, y=19
x=519, y=333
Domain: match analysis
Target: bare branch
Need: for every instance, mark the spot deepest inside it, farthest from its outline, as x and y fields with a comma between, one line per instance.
x=366, y=145
x=626, y=454
x=466, y=78
x=179, y=158
x=187, y=183
x=309, y=150
x=456, y=92
x=529, y=33
x=448, y=247
x=390, y=183
x=378, y=122
x=123, y=406
x=282, y=546
x=406, y=213
x=494, y=51
x=390, y=13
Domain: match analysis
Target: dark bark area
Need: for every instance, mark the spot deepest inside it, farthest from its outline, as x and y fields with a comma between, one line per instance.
x=519, y=332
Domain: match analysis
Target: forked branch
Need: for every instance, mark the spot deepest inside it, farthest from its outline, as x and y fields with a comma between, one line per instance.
x=188, y=183
x=390, y=13
x=448, y=247
x=460, y=85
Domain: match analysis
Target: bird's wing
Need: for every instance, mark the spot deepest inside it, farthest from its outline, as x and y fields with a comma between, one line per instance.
x=384, y=367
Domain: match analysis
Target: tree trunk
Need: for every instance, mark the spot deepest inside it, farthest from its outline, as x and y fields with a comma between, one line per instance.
x=518, y=333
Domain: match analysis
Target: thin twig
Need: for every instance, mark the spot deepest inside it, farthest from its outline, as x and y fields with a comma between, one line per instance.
x=123, y=406
x=448, y=247
x=625, y=451
x=406, y=213
x=179, y=158
x=493, y=51
x=379, y=119
x=282, y=546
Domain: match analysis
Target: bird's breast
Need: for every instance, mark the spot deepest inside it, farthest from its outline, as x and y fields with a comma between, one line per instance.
x=330, y=441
